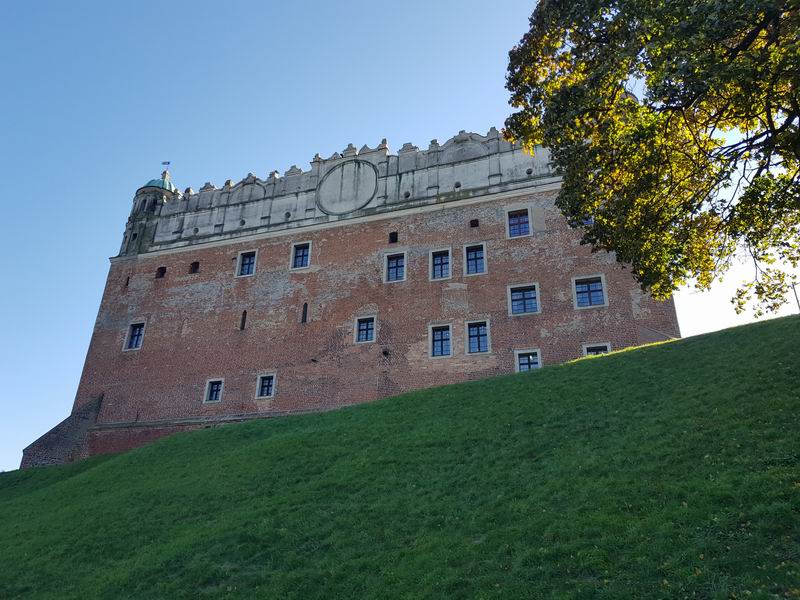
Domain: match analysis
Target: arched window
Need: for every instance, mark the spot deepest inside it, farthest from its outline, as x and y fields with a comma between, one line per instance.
x=194, y=267
x=243, y=321
x=304, y=318
x=160, y=272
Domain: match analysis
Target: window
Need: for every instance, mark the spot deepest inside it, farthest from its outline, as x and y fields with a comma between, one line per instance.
x=440, y=264
x=589, y=292
x=523, y=299
x=477, y=337
x=365, y=330
x=440, y=341
x=266, y=386
x=301, y=255
x=595, y=349
x=475, y=259
x=527, y=360
x=519, y=224
x=393, y=237
x=247, y=264
x=395, y=267
x=135, y=336
x=194, y=267
x=214, y=390
x=304, y=315
x=160, y=272
x=474, y=223
x=243, y=321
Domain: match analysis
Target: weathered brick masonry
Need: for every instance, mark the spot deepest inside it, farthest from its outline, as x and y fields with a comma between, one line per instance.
x=193, y=320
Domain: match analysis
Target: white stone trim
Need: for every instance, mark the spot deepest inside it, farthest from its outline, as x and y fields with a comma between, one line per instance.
x=291, y=255
x=485, y=259
x=514, y=208
x=274, y=376
x=449, y=251
x=575, y=293
x=207, y=387
x=592, y=344
x=127, y=335
x=374, y=329
x=527, y=351
x=395, y=252
x=488, y=337
x=514, y=286
x=437, y=325
x=239, y=263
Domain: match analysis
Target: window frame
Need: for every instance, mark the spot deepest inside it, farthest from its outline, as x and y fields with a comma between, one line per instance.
x=239, y=263
x=527, y=351
x=259, y=377
x=517, y=208
x=516, y=286
x=431, y=327
x=386, y=256
x=374, y=329
x=586, y=346
x=207, y=390
x=485, y=259
x=127, y=337
x=575, y=281
x=449, y=251
x=488, y=337
x=291, y=255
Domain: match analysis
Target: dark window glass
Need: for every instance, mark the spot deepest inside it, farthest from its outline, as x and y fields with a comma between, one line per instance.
x=160, y=272
x=304, y=316
x=214, y=391
x=366, y=330
x=135, y=335
x=247, y=263
x=523, y=300
x=395, y=267
x=194, y=267
x=301, y=256
x=478, y=335
x=475, y=260
x=589, y=292
x=440, y=342
x=265, y=385
x=528, y=361
x=243, y=320
x=441, y=265
x=599, y=349
x=518, y=223
x=474, y=223
x=393, y=237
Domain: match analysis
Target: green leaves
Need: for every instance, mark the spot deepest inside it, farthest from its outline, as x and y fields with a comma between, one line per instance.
x=704, y=164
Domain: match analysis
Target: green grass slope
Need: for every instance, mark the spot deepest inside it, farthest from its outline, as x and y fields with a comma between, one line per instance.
x=669, y=471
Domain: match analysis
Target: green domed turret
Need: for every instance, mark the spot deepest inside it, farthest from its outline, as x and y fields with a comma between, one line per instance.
x=163, y=183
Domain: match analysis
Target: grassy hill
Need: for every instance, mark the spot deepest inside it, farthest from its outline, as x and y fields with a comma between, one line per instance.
x=669, y=471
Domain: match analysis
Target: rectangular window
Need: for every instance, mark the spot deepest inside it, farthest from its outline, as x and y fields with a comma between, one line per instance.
x=524, y=299
x=475, y=259
x=214, y=390
x=440, y=341
x=395, y=267
x=365, y=330
x=440, y=264
x=301, y=255
x=135, y=336
x=589, y=292
x=594, y=349
x=266, y=386
x=527, y=360
x=247, y=264
x=477, y=337
x=519, y=224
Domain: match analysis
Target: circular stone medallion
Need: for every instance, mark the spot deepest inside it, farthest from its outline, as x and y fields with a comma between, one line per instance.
x=347, y=187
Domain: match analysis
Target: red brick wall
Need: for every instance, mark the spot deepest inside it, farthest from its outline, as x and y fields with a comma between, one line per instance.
x=192, y=332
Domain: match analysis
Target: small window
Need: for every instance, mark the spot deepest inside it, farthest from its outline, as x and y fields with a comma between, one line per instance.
x=266, y=386
x=301, y=255
x=243, y=321
x=441, y=341
x=365, y=330
x=589, y=292
x=395, y=267
x=135, y=336
x=214, y=390
x=393, y=237
x=523, y=299
x=477, y=337
x=440, y=264
x=247, y=264
x=519, y=224
x=475, y=259
x=160, y=272
x=127, y=281
x=527, y=360
x=304, y=313
x=474, y=223
x=194, y=267
x=595, y=349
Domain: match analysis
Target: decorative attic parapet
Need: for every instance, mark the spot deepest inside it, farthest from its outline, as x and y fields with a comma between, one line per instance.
x=345, y=185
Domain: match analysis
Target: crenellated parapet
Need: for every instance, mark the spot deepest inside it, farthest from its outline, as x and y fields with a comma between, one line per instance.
x=350, y=184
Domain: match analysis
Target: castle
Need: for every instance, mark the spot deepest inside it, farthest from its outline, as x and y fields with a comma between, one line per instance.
x=368, y=275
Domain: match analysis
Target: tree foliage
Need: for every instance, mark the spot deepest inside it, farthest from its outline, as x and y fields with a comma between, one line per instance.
x=675, y=126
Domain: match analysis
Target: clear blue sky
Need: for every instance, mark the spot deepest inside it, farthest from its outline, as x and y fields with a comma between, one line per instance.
x=96, y=94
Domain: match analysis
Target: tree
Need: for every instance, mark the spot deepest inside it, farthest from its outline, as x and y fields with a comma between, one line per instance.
x=675, y=126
